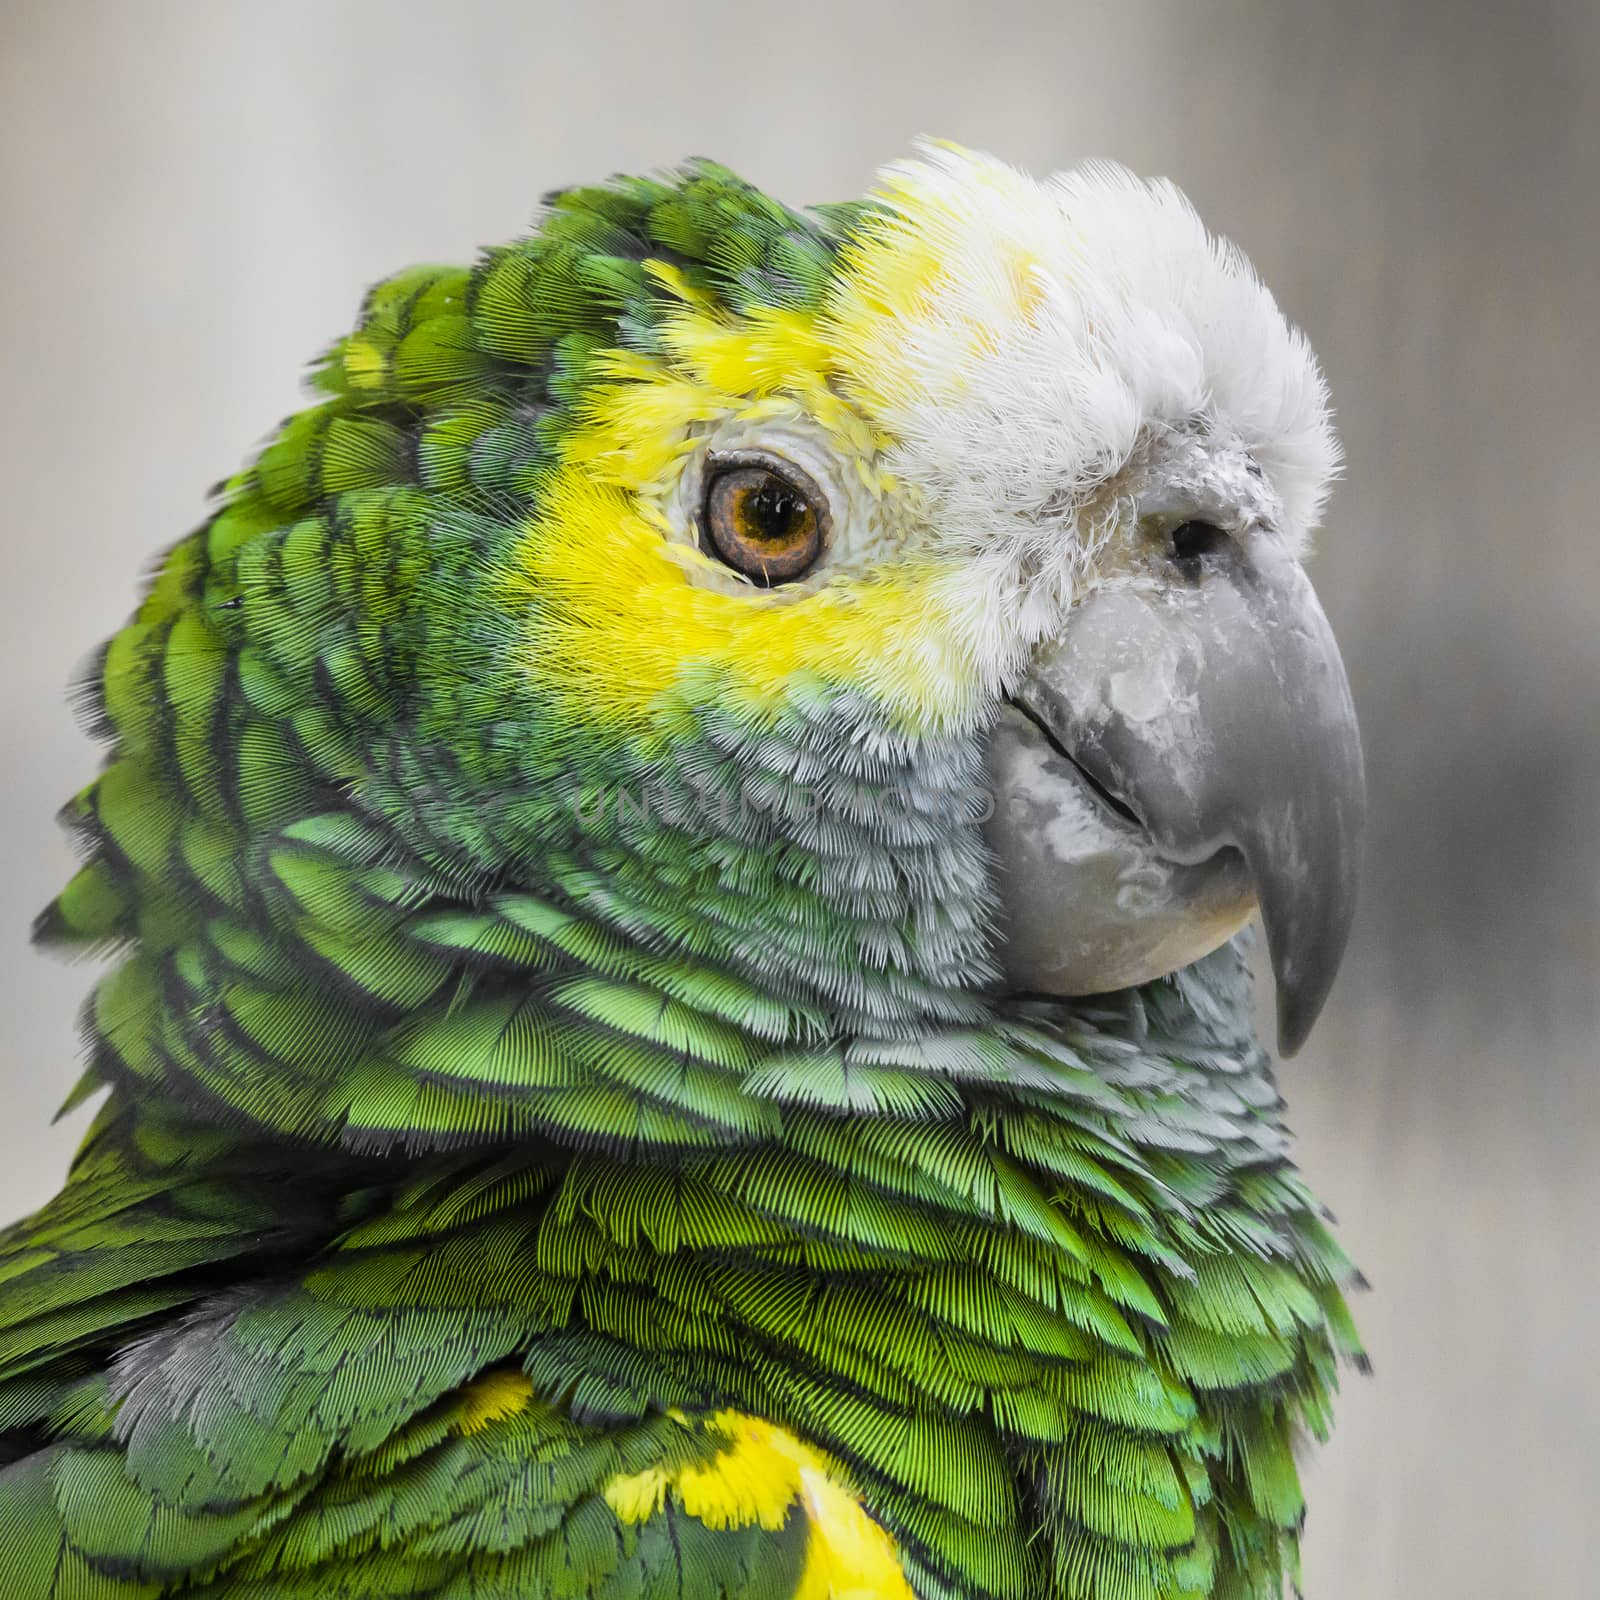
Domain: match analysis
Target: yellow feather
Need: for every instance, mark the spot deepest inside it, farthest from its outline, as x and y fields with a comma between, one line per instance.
x=615, y=619
x=760, y=1476
x=638, y=1496
x=491, y=1397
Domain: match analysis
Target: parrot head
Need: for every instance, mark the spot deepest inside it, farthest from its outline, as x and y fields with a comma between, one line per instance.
x=888, y=614
x=913, y=609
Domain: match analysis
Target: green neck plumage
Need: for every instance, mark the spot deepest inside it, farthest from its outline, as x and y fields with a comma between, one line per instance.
x=1046, y=1286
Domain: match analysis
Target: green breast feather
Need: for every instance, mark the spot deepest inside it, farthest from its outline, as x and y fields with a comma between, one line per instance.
x=514, y=1185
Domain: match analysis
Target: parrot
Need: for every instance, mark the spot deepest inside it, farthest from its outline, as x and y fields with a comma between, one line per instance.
x=676, y=875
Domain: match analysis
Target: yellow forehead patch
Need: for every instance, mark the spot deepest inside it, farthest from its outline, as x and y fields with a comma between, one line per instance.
x=891, y=302
x=634, y=424
x=615, y=614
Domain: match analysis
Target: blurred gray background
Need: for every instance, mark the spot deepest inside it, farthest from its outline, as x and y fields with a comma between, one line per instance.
x=194, y=196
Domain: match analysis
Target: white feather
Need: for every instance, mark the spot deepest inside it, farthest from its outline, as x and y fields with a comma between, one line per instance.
x=1026, y=345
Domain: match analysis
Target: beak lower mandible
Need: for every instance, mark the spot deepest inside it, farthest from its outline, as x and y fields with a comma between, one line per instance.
x=1218, y=711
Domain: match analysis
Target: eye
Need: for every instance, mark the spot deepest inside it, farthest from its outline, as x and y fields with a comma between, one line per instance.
x=1191, y=542
x=764, y=517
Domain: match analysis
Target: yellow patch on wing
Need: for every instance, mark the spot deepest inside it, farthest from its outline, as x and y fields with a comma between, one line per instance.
x=491, y=1397
x=849, y=1556
x=755, y=1479
x=758, y=1476
x=638, y=1496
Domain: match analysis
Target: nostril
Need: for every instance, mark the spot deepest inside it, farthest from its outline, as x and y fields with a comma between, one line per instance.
x=1190, y=543
x=1192, y=540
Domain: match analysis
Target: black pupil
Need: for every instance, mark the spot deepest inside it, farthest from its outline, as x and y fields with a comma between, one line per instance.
x=774, y=509
x=1192, y=540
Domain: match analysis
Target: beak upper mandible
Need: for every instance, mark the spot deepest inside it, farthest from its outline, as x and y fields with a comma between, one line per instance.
x=1217, y=710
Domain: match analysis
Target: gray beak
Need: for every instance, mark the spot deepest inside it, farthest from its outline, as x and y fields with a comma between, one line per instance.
x=1185, y=751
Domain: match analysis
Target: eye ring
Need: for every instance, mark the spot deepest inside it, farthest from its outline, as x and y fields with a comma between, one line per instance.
x=763, y=516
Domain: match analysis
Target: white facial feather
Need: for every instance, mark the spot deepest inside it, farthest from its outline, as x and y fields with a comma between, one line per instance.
x=1038, y=351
